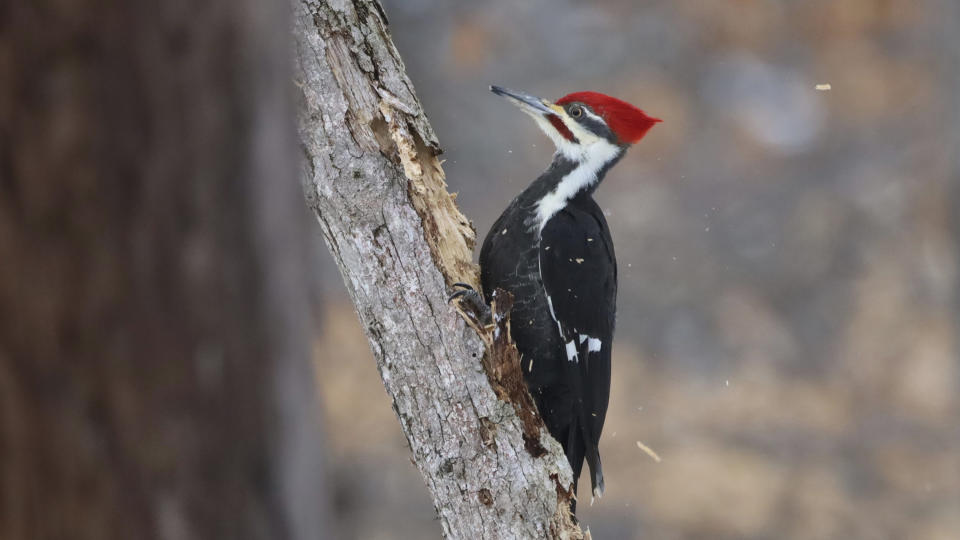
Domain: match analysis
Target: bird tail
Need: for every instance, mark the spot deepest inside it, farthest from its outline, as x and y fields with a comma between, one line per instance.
x=579, y=448
x=596, y=472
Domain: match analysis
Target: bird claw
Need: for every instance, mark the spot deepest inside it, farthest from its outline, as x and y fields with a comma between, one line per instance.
x=465, y=288
x=473, y=303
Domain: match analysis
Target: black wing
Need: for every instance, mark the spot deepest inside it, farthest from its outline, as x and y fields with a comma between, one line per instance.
x=579, y=273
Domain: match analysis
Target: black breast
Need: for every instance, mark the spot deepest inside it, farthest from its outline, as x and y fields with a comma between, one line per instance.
x=509, y=260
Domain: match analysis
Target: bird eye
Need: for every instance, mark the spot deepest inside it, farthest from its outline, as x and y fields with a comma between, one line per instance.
x=576, y=112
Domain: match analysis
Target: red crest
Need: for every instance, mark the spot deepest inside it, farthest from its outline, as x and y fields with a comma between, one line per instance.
x=629, y=123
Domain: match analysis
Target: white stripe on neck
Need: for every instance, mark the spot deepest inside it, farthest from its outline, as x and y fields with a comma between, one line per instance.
x=590, y=160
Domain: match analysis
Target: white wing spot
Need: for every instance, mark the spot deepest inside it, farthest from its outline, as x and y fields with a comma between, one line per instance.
x=572, y=351
x=594, y=344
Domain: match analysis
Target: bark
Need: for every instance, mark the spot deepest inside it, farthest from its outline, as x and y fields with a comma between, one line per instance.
x=372, y=175
x=154, y=371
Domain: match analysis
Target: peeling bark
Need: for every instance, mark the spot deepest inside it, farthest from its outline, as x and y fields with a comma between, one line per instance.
x=373, y=177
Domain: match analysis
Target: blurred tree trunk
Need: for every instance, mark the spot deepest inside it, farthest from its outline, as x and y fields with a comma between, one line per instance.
x=949, y=42
x=154, y=370
x=373, y=177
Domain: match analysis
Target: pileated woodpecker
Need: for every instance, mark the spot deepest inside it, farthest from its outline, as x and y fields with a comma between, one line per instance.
x=552, y=250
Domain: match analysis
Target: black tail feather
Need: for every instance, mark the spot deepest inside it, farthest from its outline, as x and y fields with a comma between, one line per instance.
x=578, y=445
x=596, y=472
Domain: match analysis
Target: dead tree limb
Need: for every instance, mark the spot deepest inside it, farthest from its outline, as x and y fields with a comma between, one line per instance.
x=372, y=176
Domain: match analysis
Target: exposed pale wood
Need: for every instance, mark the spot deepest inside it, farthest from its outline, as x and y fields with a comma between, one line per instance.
x=373, y=178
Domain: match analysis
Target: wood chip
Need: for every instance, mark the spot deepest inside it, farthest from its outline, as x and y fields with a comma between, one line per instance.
x=649, y=451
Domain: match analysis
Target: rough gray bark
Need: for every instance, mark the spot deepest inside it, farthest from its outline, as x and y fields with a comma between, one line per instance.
x=373, y=178
x=155, y=378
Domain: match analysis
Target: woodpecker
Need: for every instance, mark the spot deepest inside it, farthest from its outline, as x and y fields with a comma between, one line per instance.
x=551, y=248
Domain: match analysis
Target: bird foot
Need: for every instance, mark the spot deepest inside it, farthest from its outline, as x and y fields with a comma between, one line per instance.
x=471, y=303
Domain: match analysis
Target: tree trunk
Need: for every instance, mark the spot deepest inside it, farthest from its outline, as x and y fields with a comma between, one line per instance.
x=154, y=371
x=373, y=178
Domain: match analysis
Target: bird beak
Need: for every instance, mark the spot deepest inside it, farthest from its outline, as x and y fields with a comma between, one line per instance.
x=526, y=102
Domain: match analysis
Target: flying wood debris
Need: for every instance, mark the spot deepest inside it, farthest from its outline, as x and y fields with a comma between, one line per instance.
x=649, y=451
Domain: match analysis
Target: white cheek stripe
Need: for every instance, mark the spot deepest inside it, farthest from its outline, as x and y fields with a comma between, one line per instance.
x=591, y=154
x=590, y=160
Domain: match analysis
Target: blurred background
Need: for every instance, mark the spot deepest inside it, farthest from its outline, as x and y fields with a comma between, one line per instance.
x=787, y=329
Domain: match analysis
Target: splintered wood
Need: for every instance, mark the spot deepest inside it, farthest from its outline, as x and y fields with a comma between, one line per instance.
x=449, y=233
x=649, y=451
